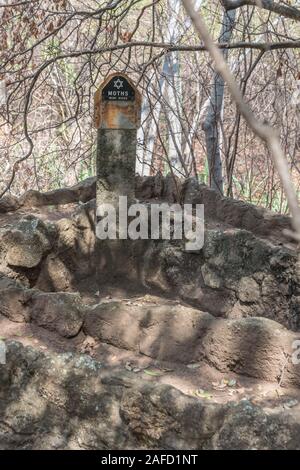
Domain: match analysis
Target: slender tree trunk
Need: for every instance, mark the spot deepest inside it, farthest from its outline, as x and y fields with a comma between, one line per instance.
x=173, y=94
x=141, y=139
x=211, y=124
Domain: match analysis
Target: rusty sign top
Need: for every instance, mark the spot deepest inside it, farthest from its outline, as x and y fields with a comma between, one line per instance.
x=117, y=104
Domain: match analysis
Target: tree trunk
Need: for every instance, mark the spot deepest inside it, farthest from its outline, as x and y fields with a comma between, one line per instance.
x=211, y=124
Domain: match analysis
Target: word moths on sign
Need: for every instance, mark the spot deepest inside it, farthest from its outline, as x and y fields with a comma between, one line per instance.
x=118, y=89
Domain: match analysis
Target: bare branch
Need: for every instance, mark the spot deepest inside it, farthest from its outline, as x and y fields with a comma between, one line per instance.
x=264, y=131
x=280, y=8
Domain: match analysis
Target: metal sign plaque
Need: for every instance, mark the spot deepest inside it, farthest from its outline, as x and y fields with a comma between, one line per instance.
x=117, y=104
x=118, y=89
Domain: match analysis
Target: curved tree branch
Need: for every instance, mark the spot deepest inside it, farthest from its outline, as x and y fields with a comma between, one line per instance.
x=276, y=7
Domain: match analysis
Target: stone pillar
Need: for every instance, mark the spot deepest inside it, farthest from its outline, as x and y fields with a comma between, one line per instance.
x=116, y=155
x=117, y=117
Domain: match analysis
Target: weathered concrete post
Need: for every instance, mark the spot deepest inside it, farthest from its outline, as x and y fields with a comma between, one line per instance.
x=117, y=118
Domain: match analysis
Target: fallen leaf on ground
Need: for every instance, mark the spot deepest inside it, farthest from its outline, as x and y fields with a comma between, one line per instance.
x=231, y=383
x=224, y=384
x=195, y=365
x=154, y=372
x=132, y=368
x=200, y=393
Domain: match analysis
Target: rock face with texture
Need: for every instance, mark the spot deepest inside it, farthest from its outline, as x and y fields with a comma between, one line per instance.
x=14, y=303
x=72, y=257
x=25, y=244
x=8, y=204
x=235, y=275
x=50, y=256
x=61, y=312
x=261, y=275
x=256, y=347
x=50, y=401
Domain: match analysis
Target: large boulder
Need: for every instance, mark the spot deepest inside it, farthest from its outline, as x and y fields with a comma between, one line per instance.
x=256, y=347
x=8, y=204
x=25, y=243
x=14, y=303
x=73, y=255
x=61, y=312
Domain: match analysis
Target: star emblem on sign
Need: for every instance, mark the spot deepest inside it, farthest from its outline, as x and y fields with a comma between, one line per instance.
x=118, y=83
